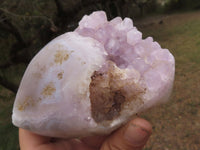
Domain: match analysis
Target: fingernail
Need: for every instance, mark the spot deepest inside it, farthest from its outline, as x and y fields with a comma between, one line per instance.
x=136, y=135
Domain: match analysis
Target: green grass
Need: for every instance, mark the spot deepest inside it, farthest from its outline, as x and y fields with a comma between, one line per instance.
x=9, y=133
x=177, y=123
x=183, y=39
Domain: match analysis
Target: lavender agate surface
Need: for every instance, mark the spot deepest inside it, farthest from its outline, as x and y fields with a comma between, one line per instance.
x=93, y=80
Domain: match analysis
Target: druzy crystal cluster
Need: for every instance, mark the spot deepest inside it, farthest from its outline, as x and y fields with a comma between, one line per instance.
x=92, y=80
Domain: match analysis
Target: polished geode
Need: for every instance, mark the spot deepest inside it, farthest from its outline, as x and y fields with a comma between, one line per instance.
x=93, y=80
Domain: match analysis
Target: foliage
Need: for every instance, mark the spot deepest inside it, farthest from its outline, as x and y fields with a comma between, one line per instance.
x=182, y=5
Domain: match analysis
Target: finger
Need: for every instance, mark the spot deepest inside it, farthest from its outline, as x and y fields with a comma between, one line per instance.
x=94, y=141
x=79, y=145
x=63, y=144
x=28, y=139
x=131, y=137
x=32, y=141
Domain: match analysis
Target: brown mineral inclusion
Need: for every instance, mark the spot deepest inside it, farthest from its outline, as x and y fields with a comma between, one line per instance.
x=108, y=94
x=48, y=90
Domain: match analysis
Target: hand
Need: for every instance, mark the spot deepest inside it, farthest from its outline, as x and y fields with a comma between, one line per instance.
x=132, y=136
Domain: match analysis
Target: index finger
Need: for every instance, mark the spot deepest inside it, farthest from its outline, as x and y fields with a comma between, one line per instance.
x=94, y=141
x=28, y=139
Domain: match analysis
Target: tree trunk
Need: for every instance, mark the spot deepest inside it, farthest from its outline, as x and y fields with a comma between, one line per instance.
x=60, y=9
x=141, y=7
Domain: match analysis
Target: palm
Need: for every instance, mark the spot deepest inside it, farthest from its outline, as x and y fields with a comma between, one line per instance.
x=132, y=136
x=45, y=143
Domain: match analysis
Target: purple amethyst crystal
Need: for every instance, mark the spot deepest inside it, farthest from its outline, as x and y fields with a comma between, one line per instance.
x=93, y=80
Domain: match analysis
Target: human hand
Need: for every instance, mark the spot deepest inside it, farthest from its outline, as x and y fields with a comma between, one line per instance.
x=132, y=136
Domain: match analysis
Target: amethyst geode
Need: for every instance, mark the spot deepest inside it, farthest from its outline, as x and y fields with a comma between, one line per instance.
x=93, y=80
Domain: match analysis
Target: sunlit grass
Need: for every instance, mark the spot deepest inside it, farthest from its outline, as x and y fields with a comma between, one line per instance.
x=182, y=39
x=178, y=119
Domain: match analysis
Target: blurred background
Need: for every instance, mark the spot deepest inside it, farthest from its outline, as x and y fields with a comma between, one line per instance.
x=27, y=25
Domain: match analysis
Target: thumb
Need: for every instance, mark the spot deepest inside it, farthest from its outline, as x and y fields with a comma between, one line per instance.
x=133, y=136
